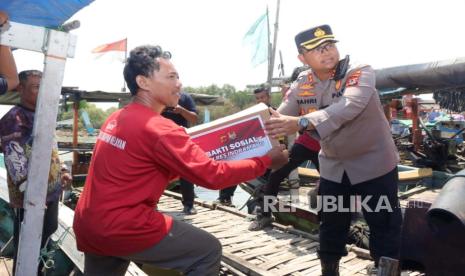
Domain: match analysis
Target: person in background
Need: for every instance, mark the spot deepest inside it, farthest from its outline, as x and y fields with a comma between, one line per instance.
x=137, y=153
x=16, y=144
x=262, y=95
x=288, y=82
x=8, y=74
x=358, y=155
x=184, y=114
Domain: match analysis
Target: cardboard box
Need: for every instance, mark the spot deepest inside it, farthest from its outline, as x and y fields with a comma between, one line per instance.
x=238, y=136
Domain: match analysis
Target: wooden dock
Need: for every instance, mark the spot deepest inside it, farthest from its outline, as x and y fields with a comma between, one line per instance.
x=279, y=250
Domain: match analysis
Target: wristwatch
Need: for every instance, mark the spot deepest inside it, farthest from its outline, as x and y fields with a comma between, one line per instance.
x=303, y=124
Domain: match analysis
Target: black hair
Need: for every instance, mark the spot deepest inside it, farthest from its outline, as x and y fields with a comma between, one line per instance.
x=23, y=75
x=260, y=89
x=142, y=60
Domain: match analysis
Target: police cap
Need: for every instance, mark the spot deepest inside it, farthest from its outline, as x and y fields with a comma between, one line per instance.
x=313, y=37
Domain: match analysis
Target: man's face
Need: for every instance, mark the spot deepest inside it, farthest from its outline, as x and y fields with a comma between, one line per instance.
x=164, y=85
x=29, y=90
x=321, y=59
x=262, y=97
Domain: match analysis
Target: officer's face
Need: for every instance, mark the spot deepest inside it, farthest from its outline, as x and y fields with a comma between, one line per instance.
x=321, y=59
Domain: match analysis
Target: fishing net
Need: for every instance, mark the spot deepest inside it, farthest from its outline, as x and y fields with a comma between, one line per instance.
x=452, y=99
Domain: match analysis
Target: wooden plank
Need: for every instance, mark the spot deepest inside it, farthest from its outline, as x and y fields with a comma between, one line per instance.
x=43, y=133
x=314, y=268
x=309, y=257
x=276, y=246
x=413, y=191
x=297, y=267
x=244, y=237
x=354, y=266
x=282, y=259
x=415, y=174
x=308, y=172
x=34, y=38
x=258, y=242
x=244, y=267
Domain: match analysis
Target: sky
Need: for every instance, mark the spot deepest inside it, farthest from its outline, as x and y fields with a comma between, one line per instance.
x=206, y=36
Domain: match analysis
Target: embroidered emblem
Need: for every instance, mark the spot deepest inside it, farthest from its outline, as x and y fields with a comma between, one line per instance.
x=353, y=79
x=111, y=125
x=306, y=93
x=319, y=33
x=306, y=86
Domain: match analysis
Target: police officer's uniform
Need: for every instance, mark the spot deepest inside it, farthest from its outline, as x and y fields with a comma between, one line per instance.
x=358, y=155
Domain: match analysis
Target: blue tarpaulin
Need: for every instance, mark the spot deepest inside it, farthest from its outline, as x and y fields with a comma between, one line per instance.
x=44, y=13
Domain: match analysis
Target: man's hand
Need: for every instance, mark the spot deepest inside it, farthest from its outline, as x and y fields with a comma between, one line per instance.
x=281, y=125
x=279, y=157
x=3, y=18
x=66, y=180
x=178, y=109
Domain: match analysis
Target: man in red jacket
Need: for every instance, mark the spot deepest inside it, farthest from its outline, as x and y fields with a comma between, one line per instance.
x=137, y=153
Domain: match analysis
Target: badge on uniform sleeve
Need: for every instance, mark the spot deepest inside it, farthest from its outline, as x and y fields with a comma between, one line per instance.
x=306, y=93
x=353, y=79
x=338, y=85
x=306, y=86
x=310, y=77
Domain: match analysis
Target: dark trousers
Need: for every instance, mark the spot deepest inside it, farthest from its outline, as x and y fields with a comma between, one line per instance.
x=49, y=227
x=187, y=191
x=187, y=249
x=298, y=155
x=385, y=225
x=227, y=194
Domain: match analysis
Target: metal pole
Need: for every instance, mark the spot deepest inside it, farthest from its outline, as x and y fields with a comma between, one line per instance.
x=75, y=134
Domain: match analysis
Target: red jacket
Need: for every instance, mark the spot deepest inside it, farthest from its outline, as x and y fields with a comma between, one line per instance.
x=137, y=153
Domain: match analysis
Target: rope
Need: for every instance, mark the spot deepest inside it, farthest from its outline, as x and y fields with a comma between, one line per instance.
x=254, y=195
x=46, y=256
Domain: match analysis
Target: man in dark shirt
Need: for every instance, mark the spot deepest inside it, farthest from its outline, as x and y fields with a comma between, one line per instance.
x=184, y=114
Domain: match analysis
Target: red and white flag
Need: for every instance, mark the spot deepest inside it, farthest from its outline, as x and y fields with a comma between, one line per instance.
x=115, y=49
x=115, y=46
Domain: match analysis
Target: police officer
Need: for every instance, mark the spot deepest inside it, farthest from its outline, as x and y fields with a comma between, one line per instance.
x=358, y=155
x=304, y=148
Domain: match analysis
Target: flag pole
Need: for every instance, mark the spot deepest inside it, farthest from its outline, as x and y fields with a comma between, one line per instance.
x=275, y=40
x=123, y=89
x=268, y=78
